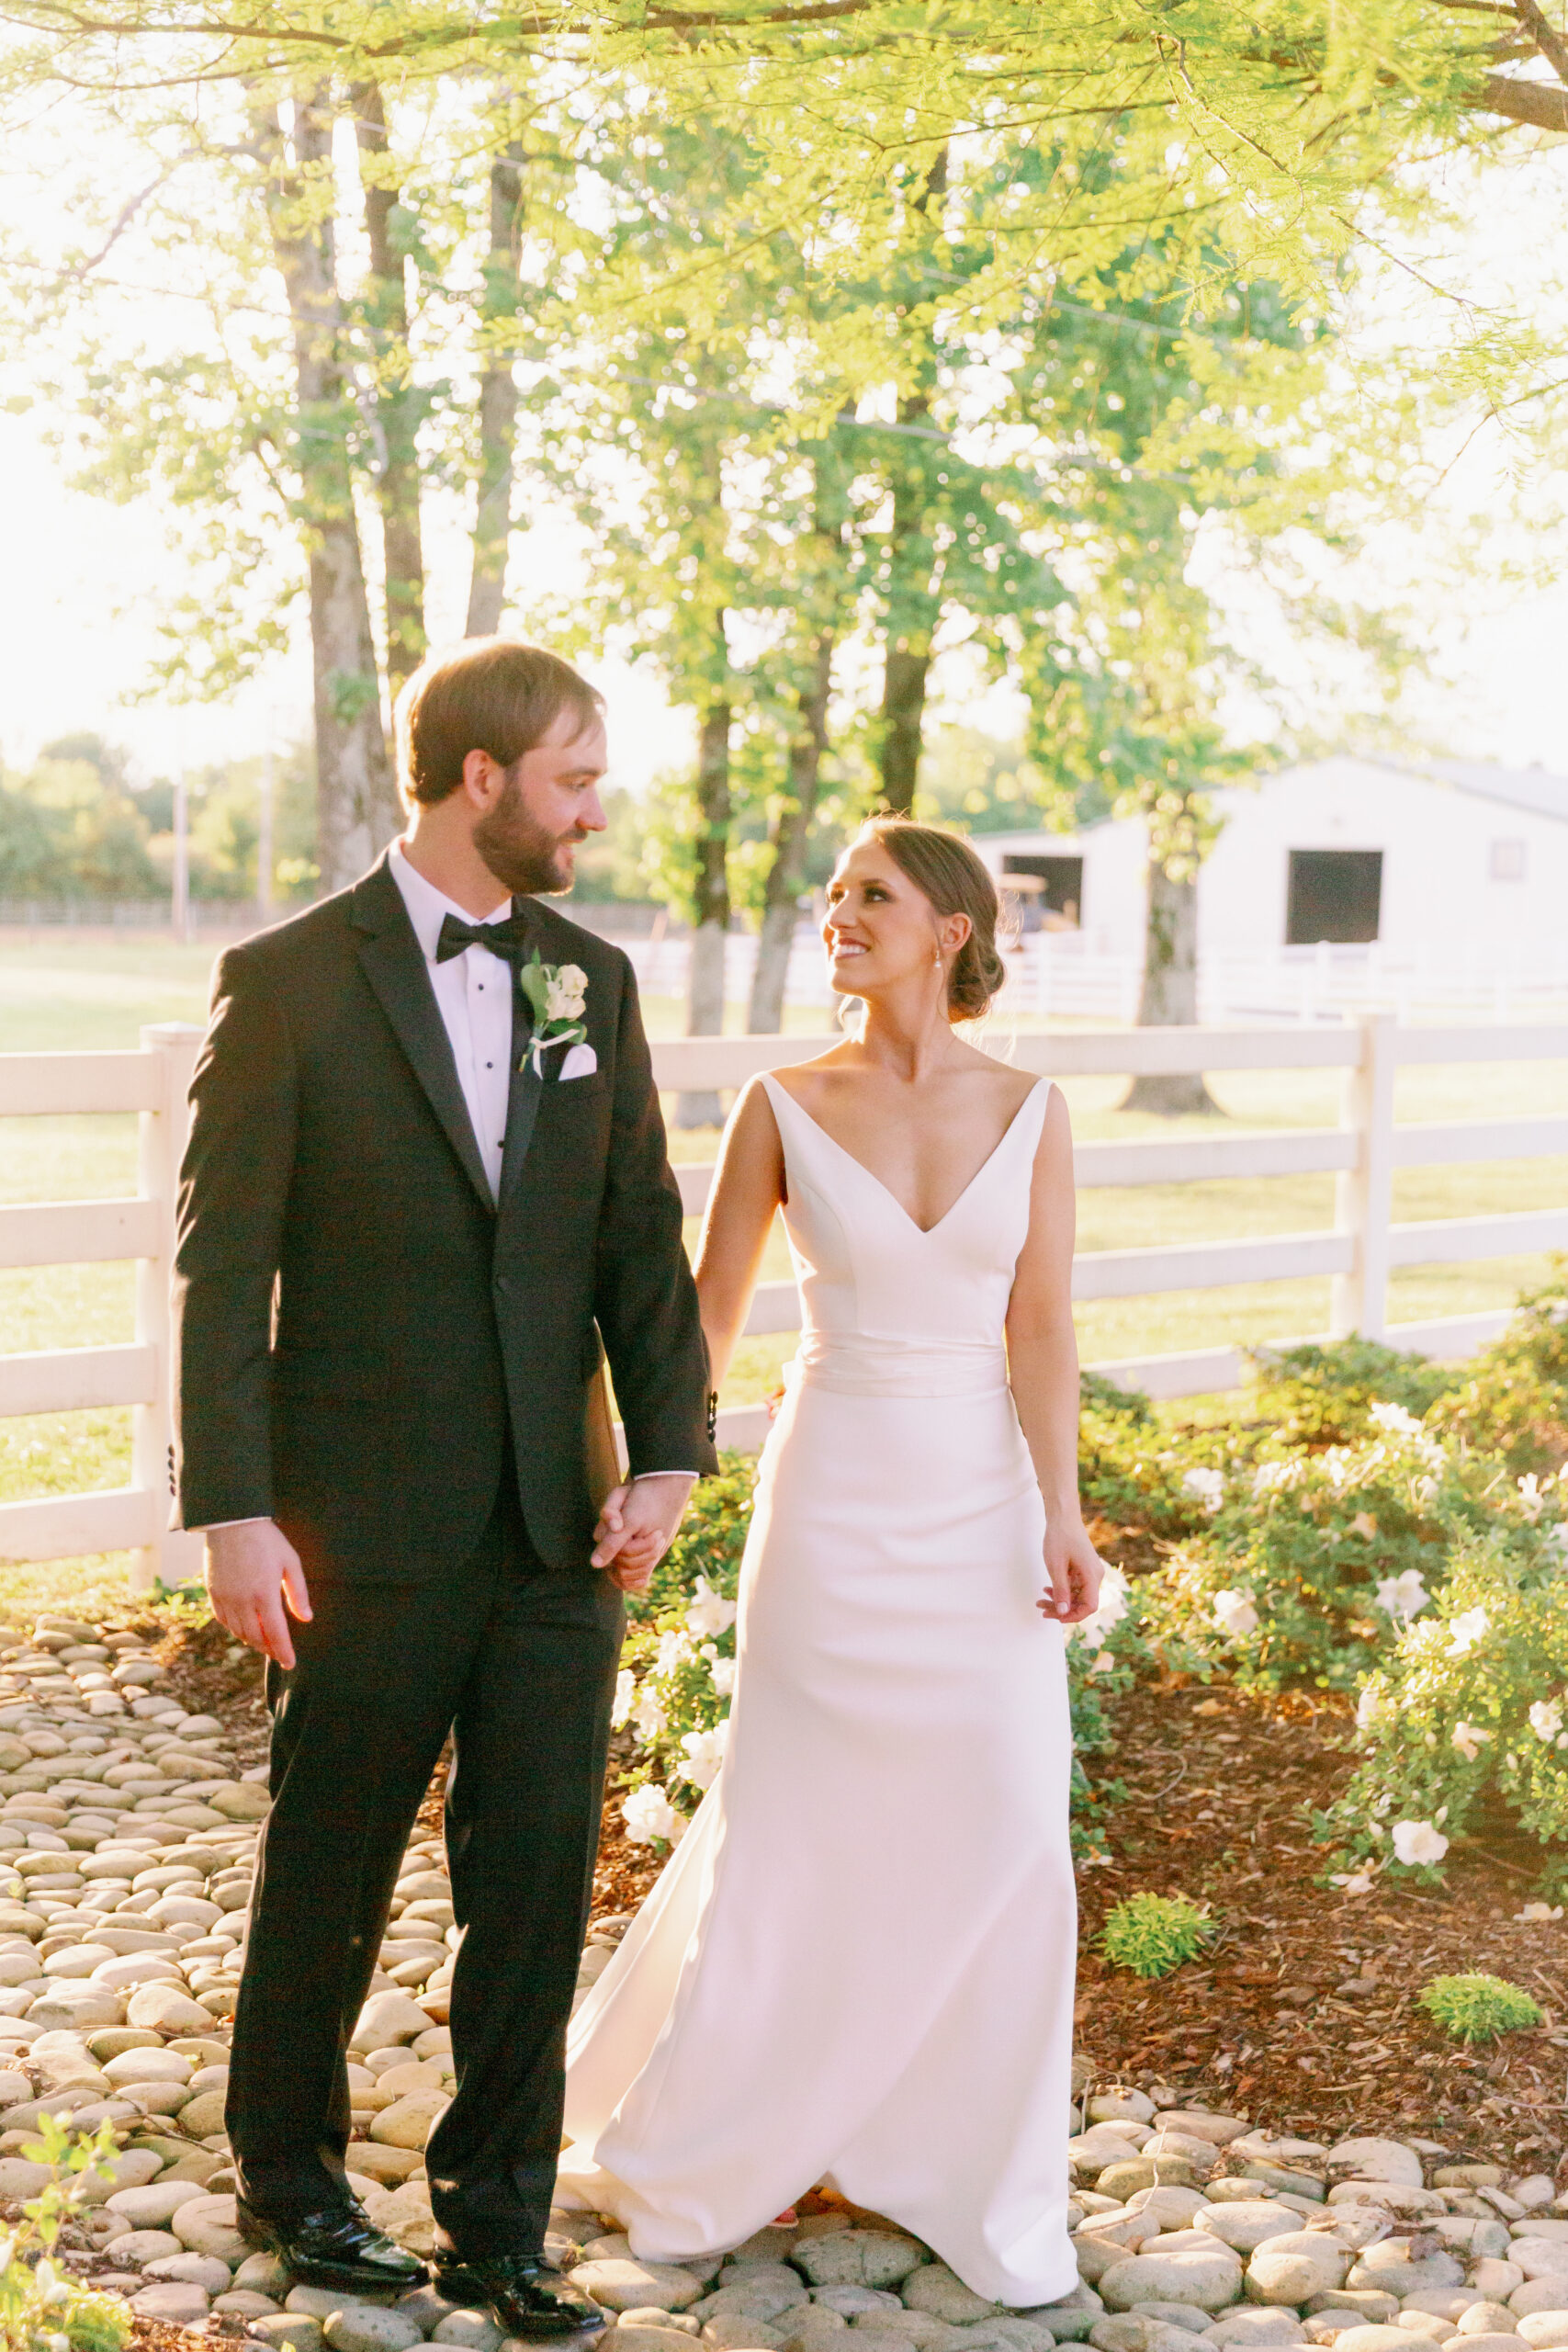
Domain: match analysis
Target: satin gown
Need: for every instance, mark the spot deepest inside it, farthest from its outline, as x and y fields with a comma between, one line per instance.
x=857, y=1968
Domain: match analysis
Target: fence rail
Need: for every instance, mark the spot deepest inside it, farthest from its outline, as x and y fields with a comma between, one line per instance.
x=1357, y=1253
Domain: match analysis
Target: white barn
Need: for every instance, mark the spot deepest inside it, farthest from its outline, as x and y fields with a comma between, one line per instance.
x=1414, y=867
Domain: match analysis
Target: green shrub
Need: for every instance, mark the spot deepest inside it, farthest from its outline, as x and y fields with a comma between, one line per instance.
x=1478, y=2008
x=1468, y=1708
x=1312, y=1562
x=1315, y=1395
x=1132, y=1467
x=1514, y=1404
x=678, y=1665
x=42, y=2307
x=1154, y=1934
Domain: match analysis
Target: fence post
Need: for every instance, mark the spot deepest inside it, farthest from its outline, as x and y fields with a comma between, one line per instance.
x=174, y=1558
x=1363, y=1193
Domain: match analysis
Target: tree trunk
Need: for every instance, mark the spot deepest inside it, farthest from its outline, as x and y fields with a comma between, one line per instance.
x=902, y=723
x=356, y=805
x=914, y=604
x=1169, y=997
x=498, y=393
x=791, y=831
x=710, y=907
x=396, y=404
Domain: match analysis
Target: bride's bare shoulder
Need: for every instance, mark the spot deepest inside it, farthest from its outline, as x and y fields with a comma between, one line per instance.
x=801, y=1081
x=1012, y=1088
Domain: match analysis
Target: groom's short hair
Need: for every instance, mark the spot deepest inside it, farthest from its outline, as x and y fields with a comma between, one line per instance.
x=490, y=693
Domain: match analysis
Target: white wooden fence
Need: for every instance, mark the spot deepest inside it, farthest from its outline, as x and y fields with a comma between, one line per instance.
x=1358, y=1252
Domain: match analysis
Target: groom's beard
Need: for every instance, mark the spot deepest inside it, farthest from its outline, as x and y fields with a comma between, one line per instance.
x=521, y=853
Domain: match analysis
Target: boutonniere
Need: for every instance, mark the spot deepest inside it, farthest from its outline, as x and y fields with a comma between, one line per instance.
x=556, y=994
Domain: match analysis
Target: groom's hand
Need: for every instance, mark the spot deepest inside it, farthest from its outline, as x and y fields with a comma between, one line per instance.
x=252, y=1570
x=637, y=1526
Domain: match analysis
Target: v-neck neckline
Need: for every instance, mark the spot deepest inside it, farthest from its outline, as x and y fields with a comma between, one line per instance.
x=925, y=1231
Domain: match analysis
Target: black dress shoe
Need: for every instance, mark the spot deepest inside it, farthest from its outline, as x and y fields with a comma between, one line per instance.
x=526, y=2297
x=340, y=2247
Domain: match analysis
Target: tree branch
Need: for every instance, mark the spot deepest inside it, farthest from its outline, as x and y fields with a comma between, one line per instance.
x=1535, y=103
x=1545, y=36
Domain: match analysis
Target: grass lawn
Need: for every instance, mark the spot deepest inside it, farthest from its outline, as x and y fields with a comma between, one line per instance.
x=74, y=992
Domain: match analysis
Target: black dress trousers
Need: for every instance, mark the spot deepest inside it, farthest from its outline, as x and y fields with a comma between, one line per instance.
x=518, y=1661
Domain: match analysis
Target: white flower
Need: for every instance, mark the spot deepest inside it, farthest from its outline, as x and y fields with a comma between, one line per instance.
x=1532, y=1496
x=1468, y=1738
x=1394, y=1420
x=1546, y=1719
x=566, y=993
x=1112, y=1609
x=1105, y=1663
x=1418, y=1841
x=1558, y=1539
x=709, y=1612
x=1465, y=1631
x=626, y=1695
x=1234, y=1613
x=722, y=1670
x=1209, y=1486
x=673, y=1652
x=1534, y=1911
x=704, y=1751
x=1353, y=1881
x=1370, y=1706
x=647, y=1712
x=648, y=1814
x=1403, y=1596
x=1274, y=1477
x=1338, y=1465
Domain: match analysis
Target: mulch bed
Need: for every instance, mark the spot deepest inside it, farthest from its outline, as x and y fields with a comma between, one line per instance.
x=1301, y=2014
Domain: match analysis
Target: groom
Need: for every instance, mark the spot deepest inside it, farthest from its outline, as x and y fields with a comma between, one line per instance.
x=426, y=1171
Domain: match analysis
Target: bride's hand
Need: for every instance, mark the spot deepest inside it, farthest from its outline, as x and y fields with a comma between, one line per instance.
x=1075, y=1569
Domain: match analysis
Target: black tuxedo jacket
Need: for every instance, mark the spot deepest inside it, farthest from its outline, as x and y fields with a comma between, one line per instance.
x=356, y=1324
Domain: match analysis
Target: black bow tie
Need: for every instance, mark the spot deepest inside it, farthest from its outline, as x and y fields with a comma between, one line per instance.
x=506, y=939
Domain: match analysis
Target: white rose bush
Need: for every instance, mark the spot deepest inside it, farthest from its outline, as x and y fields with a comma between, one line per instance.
x=1314, y=1563
x=1467, y=1715
x=677, y=1678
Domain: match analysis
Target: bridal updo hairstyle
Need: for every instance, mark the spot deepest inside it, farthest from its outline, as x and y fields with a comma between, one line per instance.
x=945, y=870
x=490, y=693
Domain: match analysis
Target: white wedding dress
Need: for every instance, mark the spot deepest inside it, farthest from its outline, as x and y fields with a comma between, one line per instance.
x=857, y=1968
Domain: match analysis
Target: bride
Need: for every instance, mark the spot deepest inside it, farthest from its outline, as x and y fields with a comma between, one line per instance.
x=857, y=1969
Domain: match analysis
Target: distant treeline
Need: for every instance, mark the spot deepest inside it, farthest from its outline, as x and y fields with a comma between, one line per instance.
x=75, y=829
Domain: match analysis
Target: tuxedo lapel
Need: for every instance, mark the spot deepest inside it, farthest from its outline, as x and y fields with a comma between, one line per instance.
x=395, y=967
x=522, y=1096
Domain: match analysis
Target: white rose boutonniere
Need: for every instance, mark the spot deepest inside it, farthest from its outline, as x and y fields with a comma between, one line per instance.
x=557, y=994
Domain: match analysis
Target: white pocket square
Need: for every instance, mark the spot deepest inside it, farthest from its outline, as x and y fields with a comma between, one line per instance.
x=582, y=1061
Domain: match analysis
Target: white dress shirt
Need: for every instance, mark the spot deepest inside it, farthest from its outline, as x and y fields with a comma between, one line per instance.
x=473, y=993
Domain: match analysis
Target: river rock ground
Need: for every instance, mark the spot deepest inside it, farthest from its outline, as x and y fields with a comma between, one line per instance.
x=1406, y=2190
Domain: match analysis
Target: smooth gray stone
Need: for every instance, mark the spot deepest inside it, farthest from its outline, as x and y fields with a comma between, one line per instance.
x=857, y=2259
x=1123, y=2331
x=367, y=2327
x=1174, y=2315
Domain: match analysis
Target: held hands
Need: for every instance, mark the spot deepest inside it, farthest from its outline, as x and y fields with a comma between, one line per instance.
x=637, y=1525
x=252, y=1570
x=1075, y=1569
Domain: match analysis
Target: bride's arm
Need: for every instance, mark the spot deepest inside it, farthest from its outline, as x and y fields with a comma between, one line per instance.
x=747, y=1190
x=1043, y=1368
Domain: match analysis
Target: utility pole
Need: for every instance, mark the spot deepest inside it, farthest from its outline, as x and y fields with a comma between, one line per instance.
x=264, y=833
x=180, y=910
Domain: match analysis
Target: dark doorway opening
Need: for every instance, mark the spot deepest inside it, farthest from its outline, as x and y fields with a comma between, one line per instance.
x=1062, y=878
x=1335, y=894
